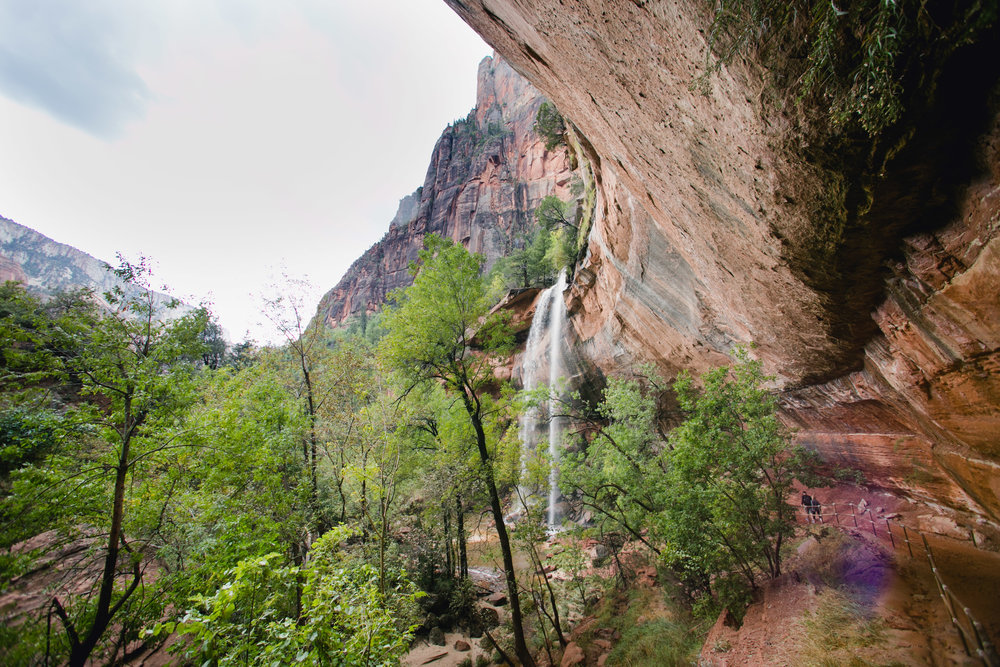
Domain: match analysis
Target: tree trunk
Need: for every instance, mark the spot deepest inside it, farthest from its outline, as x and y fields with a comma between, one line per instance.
x=520, y=647
x=364, y=499
x=80, y=650
x=448, y=563
x=554, y=618
x=463, y=558
x=311, y=454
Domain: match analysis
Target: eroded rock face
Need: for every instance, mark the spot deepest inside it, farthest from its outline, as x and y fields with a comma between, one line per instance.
x=487, y=175
x=718, y=223
x=925, y=409
x=45, y=267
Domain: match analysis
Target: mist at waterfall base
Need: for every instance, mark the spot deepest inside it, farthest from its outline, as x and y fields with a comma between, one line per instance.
x=545, y=358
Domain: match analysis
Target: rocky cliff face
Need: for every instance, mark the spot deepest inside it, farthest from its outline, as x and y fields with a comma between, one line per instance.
x=45, y=266
x=487, y=175
x=866, y=275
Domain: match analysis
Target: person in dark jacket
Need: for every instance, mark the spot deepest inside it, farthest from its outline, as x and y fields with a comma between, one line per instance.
x=807, y=502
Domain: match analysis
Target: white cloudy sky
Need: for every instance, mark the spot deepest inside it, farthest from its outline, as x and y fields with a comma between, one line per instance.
x=225, y=139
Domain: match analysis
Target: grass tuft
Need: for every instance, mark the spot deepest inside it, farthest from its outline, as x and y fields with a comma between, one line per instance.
x=838, y=628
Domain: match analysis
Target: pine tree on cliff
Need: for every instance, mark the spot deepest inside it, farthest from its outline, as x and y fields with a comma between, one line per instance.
x=431, y=327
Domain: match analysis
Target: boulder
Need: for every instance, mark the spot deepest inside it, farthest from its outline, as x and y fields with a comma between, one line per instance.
x=572, y=656
x=436, y=637
x=498, y=599
x=490, y=617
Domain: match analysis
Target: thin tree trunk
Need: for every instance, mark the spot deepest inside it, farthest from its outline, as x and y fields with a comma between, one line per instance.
x=554, y=619
x=311, y=455
x=520, y=646
x=80, y=650
x=463, y=558
x=448, y=563
x=364, y=498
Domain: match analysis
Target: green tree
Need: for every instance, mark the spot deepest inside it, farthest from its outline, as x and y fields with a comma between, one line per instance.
x=538, y=256
x=730, y=471
x=306, y=346
x=626, y=450
x=342, y=618
x=710, y=496
x=242, y=489
x=433, y=328
x=549, y=125
x=330, y=379
x=131, y=370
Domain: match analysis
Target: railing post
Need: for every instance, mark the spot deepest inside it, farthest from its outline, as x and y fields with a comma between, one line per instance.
x=888, y=529
x=836, y=516
x=987, y=652
x=954, y=617
x=872, y=519
x=906, y=537
x=943, y=590
x=854, y=514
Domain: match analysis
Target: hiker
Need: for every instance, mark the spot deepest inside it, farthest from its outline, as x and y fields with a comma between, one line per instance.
x=807, y=502
x=816, y=509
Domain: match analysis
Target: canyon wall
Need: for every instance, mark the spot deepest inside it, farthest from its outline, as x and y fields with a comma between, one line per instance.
x=486, y=177
x=866, y=274
x=45, y=267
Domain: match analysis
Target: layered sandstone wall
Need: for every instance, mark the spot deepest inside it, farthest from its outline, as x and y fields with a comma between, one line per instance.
x=487, y=175
x=867, y=280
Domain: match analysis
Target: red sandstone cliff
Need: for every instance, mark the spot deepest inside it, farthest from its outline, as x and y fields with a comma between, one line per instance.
x=869, y=281
x=486, y=177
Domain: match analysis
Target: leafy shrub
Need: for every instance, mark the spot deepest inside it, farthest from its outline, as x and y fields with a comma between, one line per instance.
x=852, y=475
x=549, y=125
x=268, y=613
x=859, y=55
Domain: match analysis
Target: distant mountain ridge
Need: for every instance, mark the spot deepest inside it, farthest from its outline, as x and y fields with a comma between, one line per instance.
x=46, y=266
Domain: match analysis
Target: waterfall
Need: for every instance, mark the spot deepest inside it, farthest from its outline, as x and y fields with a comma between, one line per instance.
x=557, y=377
x=545, y=338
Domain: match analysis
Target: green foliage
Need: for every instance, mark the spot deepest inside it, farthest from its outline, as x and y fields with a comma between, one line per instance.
x=624, y=454
x=26, y=437
x=549, y=125
x=125, y=429
x=432, y=324
x=716, y=513
x=656, y=642
x=257, y=618
x=730, y=470
x=863, y=58
x=243, y=478
x=83, y=460
x=655, y=629
x=441, y=331
x=852, y=475
x=539, y=256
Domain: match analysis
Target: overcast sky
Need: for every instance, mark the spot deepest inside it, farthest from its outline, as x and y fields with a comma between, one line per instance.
x=225, y=139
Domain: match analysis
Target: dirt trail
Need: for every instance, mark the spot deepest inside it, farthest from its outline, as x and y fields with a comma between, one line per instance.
x=899, y=601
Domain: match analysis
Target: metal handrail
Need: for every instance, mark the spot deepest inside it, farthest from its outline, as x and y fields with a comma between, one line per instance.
x=984, y=649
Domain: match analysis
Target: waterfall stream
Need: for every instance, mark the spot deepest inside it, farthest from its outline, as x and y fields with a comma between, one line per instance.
x=545, y=342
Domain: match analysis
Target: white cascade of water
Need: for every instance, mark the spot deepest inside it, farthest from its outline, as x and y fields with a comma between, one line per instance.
x=557, y=377
x=531, y=366
x=545, y=345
